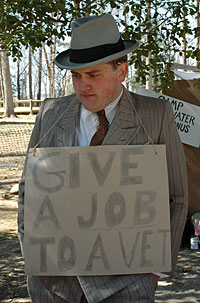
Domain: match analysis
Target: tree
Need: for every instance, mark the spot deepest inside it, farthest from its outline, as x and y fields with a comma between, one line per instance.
x=39, y=74
x=50, y=69
x=7, y=86
x=28, y=23
x=148, y=38
x=184, y=24
x=30, y=74
x=18, y=80
x=197, y=26
x=1, y=82
x=166, y=34
x=35, y=22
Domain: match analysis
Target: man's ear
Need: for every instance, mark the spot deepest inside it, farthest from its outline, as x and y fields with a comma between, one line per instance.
x=122, y=71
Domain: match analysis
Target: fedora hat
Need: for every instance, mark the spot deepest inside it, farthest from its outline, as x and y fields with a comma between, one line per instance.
x=95, y=40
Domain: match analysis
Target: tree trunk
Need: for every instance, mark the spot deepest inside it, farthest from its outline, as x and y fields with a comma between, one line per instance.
x=49, y=74
x=1, y=82
x=8, y=98
x=18, y=80
x=198, y=38
x=39, y=74
x=149, y=77
x=50, y=67
x=24, y=94
x=148, y=19
x=184, y=43
x=30, y=74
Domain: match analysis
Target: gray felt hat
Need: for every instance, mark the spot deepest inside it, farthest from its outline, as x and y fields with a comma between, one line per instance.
x=95, y=40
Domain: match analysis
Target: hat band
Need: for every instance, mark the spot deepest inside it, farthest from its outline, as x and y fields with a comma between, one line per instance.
x=95, y=53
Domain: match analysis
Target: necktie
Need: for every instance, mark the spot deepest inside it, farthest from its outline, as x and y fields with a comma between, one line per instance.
x=98, y=137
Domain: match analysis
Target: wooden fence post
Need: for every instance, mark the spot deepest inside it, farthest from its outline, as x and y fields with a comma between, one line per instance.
x=31, y=106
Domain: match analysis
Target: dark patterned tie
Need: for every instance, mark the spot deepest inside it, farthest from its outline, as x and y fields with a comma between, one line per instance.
x=98, y=137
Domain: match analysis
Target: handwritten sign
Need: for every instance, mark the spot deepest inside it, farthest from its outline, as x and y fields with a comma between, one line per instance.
x=97, y=211
x=186, y=115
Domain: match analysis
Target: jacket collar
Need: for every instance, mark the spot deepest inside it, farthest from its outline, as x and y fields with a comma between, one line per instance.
x=123, y=129
x=125, y=126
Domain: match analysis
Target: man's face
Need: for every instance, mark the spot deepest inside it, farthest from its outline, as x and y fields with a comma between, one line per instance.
x=98, y=86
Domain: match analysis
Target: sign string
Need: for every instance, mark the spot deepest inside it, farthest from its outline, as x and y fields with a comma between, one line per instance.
x=149, y=139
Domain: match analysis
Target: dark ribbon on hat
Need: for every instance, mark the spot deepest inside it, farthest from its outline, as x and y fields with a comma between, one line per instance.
x=95, y=53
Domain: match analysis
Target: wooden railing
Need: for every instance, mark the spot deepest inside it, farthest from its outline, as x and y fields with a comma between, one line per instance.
x=23, y=106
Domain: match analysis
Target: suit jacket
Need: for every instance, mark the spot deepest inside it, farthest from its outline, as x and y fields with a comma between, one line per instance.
x=157, y=117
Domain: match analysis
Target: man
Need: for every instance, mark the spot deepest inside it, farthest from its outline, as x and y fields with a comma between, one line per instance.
x=97, y=59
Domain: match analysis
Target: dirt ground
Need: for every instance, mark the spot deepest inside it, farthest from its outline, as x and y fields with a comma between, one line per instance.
x=184, y=286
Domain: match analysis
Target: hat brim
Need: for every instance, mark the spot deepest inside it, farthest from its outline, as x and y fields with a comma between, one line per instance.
x=62, y=60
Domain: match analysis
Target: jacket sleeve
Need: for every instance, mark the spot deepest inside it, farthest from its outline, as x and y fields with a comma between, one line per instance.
x=177, y=175
x=35, y=137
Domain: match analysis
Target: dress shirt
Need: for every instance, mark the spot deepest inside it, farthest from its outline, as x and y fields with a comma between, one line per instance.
x=89, y=122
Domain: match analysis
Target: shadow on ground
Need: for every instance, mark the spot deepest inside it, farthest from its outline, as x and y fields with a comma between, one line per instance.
x=184, y=285
x=12, y=277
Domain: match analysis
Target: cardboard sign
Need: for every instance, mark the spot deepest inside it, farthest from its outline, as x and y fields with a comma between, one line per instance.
x=97, y=211
x=186, y=115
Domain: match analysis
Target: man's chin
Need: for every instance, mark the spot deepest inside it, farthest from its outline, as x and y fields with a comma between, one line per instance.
x=89, y=106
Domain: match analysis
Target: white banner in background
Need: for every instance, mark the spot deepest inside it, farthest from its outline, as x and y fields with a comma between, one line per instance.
x=186, y=115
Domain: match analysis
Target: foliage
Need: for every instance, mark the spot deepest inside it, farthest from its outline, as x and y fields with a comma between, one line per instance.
x=161, y=32
x=31, y=22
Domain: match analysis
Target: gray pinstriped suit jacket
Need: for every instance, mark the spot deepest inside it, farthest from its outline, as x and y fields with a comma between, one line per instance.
x=157, y=117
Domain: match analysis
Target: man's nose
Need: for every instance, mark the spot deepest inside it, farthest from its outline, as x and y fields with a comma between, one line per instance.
x=85, y=84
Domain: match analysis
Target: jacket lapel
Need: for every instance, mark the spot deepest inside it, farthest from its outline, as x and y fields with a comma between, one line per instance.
x=66, y=128
x=67, y=117
x=124, y=127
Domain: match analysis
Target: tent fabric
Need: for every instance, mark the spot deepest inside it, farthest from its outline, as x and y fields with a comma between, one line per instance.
x=186, y=75
x=186, y=91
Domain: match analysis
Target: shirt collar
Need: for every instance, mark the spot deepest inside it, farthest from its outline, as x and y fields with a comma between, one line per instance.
x=108, y=109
